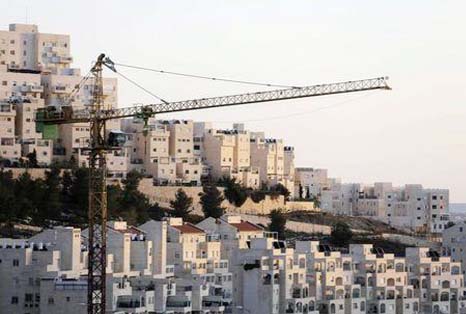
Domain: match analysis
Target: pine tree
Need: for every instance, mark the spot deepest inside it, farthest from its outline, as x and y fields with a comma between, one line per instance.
x=181, y=204
x=32, y=158
x=7, y=196
x=211, y=201
x=234, y=192
x=341, y=234
x=51, y=203
x=278, y=223
x=79, y=195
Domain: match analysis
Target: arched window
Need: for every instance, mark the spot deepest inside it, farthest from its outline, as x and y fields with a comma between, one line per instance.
x=382, y=308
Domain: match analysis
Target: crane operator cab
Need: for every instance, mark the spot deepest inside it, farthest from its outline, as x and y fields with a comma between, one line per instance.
x=116, y=138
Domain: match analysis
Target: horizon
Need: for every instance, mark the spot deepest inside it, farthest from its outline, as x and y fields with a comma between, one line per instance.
x=413, y=134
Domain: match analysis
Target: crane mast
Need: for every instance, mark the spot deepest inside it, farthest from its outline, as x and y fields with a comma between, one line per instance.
x=97, y=115
x=97, y=212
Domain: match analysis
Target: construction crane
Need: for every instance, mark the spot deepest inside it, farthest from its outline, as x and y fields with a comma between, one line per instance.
x=97, y=115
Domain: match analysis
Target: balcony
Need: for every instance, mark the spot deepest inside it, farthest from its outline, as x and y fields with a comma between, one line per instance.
x=180, y=304
x=32, y=89
x=62, y=59
x=213, y=304
x=57, y=89
x=6, y=108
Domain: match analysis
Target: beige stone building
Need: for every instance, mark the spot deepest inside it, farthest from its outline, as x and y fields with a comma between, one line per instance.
x=35, y=71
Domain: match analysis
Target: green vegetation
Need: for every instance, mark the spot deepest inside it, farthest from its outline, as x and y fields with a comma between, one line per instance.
x=278, y=223
x=211, y=201
x=181, y=205
x=234, y=192
x=341, y=234
x=61, y=198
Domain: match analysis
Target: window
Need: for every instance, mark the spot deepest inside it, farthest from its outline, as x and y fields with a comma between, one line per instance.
x=12, y=52
x=14, y=300
x=51, y=300
x=4, y=83
x=15, y=263
x=28, y=297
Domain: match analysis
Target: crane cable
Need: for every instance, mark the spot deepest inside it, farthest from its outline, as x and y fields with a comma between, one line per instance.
x=204, y=77
x=111, y=65
x=76, y=89
x=281, y=117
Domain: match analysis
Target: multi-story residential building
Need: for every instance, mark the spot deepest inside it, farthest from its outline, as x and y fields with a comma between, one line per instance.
x=35, y=72
x=341, y=198
x=454, y=243
x=199, y=265
x=312, y=181
x=227, y=154
x=269, y=156
x=177, y=267
x=411, y=206
x=163, y=149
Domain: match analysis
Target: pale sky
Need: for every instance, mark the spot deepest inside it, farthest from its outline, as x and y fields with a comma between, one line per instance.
x=413, y=134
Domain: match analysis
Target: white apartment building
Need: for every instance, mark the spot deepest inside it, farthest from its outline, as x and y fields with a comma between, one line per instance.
x=411, y=206
x=227, y=154
x=312, y=181
x=454, y=243
x=176, y=267
x=163, y=149
x=35, y=71
x=269, y=156
x=341, y=198
x=199, y=265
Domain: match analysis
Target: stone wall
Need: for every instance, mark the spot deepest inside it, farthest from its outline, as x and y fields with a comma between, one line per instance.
x=164, y=194
x=35, y=173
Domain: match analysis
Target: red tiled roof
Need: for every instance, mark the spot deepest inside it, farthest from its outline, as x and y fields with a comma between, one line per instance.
x=188, y=228
x=130, y=229
x=246, y=226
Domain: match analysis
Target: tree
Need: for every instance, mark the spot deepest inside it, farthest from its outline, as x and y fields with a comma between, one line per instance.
x=341, y=234
x=278, y=223
x=66, y=184
x=132, y=180
x=181, y=205
x=51, y=199
x=211, y=201
x=280, y=189
x=7, y=196
x=79, y=196
x=128, y=203
x=156, y=212
x=32, y=158
x=234, y=192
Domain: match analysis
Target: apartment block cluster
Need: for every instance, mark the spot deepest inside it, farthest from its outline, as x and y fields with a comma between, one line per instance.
x=412, y=206
x=224, y=265
x=35, y=71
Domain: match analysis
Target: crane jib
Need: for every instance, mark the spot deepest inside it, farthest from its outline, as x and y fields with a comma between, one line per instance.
x=48, y=116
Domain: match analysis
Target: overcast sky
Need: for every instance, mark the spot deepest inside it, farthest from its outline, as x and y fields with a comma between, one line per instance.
x=413, y=134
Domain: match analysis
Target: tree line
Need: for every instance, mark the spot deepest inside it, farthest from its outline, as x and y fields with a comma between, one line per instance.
x=61, y=198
